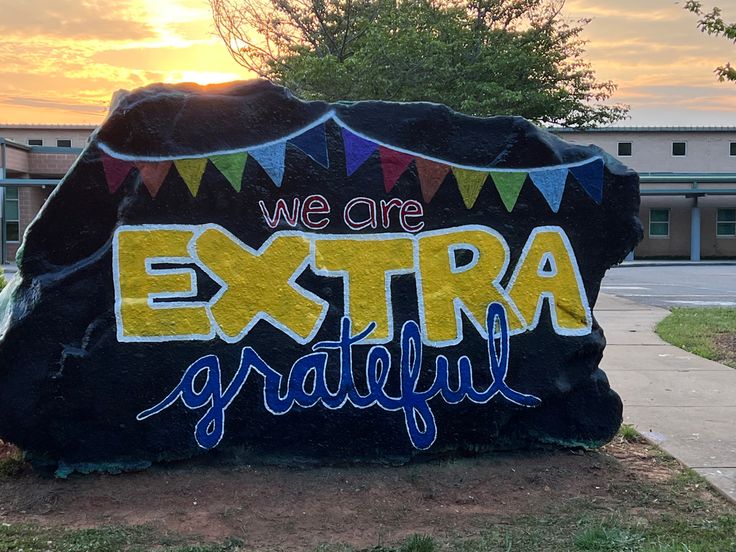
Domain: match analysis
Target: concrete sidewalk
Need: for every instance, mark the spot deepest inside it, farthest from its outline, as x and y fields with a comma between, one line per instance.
x=683, y=403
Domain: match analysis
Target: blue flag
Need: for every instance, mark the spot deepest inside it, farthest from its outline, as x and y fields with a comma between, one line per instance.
x=271, y=160
x=590, y=177
x=313, y=142
x=357, y=150
x=551, y=182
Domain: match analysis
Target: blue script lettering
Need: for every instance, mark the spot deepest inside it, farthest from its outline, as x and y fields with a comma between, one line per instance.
x=306, y=384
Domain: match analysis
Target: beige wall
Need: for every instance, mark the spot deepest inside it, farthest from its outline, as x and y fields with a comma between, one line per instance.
x=710, y=244
x=652, y=151
x=49, y=135
x=678, y=242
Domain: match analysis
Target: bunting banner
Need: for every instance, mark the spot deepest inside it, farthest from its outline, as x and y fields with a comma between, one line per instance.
x=153, y=174
x=231, y=166
x=509, y=186
x=470, y=183
x=191, y=172
x=394, y=161
x=357, y=150
x=431, y=176
x=313, y=142
x=590, y=177
x=271, y=158
x=116, y=171
x=551, y=182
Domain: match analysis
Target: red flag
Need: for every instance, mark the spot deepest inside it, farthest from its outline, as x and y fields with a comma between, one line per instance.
x=393, y=163
x=153, y=174
x=431, y=176
x=115, y=171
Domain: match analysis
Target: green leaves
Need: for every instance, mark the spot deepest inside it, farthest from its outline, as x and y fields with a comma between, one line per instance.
x=713, y=23
x=478, y=57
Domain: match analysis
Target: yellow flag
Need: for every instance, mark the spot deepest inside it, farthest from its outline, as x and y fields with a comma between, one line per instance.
x=470, y=183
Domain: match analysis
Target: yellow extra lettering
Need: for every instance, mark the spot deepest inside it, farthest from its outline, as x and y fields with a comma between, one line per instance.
x=366, y=266
x=448, y=286
x=259, y=285
x=548, y=269
x=140, y=287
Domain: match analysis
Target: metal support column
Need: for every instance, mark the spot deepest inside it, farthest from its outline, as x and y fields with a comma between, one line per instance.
x=695, y=230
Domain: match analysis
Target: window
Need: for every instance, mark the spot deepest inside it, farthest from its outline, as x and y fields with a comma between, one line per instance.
x=679, y=149
x=659, y=223
x=624, y=149
x=726, y=223
x=12, y=223
x=732, y=149
x=63, y=143
x=35, y=142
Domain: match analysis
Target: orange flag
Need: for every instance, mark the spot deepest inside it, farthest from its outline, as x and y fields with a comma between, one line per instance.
x=153, y=174
x=431, y=176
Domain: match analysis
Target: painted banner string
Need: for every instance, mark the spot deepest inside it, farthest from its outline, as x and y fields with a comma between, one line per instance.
x=311, y=140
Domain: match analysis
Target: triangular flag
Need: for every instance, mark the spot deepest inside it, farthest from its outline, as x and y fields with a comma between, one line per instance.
x=313, y=142
x=508, y=185
x=431, y=176
x=393, y=163
x=271, y=159
x=551, y=182
x=153, y=174
x=470, y=183
x=590, y=177
x=191, y=171
x=231, y=165
x=357, y=150
x=115, y=171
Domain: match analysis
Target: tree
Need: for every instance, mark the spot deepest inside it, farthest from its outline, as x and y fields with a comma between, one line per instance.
x=713, y=24
x=481, y=57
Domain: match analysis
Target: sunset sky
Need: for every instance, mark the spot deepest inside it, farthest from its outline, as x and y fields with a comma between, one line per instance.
x=63, y=59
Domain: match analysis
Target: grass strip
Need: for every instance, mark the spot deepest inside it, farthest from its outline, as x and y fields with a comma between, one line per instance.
x=706, y=332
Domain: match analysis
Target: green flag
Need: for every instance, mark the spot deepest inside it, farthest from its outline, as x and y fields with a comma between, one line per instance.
x=509, y=186
x=231, y=166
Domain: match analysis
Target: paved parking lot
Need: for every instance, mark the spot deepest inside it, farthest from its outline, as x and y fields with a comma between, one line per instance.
x=666, y=285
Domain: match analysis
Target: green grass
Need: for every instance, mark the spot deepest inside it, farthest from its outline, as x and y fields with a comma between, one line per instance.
x=572, y=531
x=695, y=329
x=628, y=433
x=32, y=538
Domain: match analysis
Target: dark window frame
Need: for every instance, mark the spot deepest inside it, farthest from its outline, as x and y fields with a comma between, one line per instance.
x=11, y=196
x=660, y=222
x=726, y=221
x=35, y=142
x=622, y=151
x=62, y=143
x=684, y=149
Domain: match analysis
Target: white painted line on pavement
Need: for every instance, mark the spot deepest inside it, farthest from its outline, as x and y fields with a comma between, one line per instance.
x=623, y=287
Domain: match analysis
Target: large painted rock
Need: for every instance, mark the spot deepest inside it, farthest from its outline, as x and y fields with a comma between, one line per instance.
x=232, y=268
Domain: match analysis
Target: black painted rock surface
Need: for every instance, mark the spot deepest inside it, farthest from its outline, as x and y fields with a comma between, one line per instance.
x=233, y=268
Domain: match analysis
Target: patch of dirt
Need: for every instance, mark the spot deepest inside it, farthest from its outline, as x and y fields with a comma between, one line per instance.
x=287, y=508
x=726, y=345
